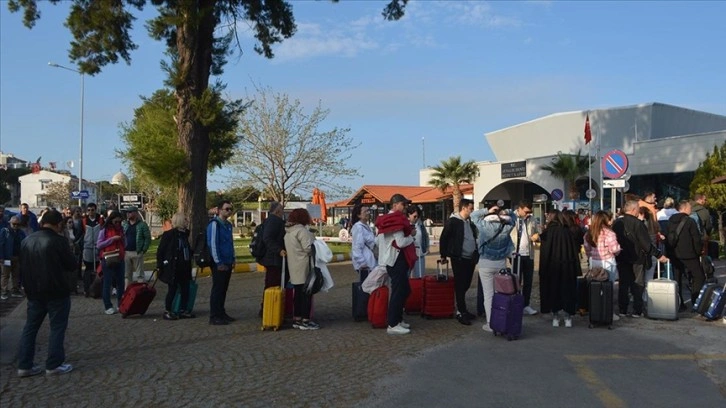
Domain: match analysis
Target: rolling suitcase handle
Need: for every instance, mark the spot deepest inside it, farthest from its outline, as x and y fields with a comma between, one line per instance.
x=440, y=274
x=155, y=275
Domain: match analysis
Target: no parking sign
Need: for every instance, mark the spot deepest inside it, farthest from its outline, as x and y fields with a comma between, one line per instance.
x=614, y=164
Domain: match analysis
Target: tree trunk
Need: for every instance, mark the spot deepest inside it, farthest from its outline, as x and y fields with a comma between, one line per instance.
x=194, y=40
x=456, y=193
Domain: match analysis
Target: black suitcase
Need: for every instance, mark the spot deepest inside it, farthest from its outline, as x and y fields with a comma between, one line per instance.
x=601, y=303
x=713, y=249
x=360, y=303
x=582, y=296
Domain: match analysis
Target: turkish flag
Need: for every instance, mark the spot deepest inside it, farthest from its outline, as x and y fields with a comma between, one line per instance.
x=588, y=134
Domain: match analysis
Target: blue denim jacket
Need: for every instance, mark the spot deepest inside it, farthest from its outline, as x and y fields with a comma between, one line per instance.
x=500, y=247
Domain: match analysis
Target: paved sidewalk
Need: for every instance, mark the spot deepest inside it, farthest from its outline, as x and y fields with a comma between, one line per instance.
x=146, y=361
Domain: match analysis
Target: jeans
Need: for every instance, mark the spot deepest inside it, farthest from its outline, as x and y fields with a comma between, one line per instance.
x=134, y=265
x=463, y=272
x=419, y=268
x=631, y=280
x=112, y=274
x=57, y=311
x=220, y=284
x=486, y=278
x=526, y=271
x=400, y=289
x=10, y=280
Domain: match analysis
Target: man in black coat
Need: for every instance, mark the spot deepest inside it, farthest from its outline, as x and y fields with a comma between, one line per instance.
x=684, y=248
x=458, y=242
x=273, y=238
x=47, y=266
x=636, y=247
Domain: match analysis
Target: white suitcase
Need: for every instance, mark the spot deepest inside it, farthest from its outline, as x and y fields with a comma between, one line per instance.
x=663, y=298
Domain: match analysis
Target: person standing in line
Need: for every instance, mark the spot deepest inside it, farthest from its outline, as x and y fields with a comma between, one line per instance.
x=111, y=238
x=421, y=241
x=92, y=225
x=221, y=247
x=273, y=237
x=458, y=242
x=11, y=239
x=495, y=245
x=138, y=240
x=635, y=246
x=364, y=242
x=394, y=242
x=684, y=248
x=601, y=246
x=299, y=247
x=28, y=219
x=524, y=234
x=559, y=268
x=48, y=269
x=174, y=262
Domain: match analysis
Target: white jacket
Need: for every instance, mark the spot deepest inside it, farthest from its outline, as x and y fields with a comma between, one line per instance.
x=387, y=253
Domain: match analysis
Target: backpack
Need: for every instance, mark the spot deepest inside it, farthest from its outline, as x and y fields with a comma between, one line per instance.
x=202, y=256
x=257, y=245
x=673, y=235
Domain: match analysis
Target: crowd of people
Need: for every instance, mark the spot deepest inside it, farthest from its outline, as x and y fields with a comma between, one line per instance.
x=43, y=256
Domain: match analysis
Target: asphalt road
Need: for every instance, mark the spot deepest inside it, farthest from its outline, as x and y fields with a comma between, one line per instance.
x=146, y=361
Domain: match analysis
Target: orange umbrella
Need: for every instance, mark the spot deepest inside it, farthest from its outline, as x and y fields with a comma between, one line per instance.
x=316, y=196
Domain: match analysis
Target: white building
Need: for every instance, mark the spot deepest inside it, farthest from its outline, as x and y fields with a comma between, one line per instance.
x=664, y=145
x=33, y=187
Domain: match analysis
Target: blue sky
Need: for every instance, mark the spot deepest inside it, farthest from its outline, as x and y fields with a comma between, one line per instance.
x=448, y=72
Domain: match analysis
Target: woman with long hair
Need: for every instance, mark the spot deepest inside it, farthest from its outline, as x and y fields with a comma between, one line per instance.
x=299, y=246
x=601, y=246
x=174, y=262
x=420, y=240
x=648, y=219
x=110, y=239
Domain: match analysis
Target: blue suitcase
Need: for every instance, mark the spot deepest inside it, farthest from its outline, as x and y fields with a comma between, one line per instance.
x=176, y=304
x=703, y=300
x=506, y=318
x=718, y=300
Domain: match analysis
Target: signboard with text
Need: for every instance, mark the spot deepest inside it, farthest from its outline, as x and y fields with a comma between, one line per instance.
x=514, y=169
x=130, y=200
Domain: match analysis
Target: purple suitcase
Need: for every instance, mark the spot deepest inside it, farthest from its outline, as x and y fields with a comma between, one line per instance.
x=506, y=316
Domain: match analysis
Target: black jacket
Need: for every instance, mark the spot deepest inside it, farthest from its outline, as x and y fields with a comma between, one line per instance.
x=174, y=256
x=452, y=238
x=273, y=236
x=688, y=245
x=634, y=241
x=47, y=265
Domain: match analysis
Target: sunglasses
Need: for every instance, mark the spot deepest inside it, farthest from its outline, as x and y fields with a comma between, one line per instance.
x=228, y=208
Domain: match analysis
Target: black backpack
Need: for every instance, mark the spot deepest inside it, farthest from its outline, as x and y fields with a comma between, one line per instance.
x=257, y=245
x=202, y=256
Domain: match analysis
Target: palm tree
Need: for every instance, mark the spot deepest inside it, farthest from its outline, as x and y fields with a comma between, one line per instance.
x=568, y=168
x=452, y=173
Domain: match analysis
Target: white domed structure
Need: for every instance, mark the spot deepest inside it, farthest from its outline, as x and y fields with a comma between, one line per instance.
x=119, y=179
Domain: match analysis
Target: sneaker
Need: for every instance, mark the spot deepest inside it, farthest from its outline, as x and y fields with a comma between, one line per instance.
x=463, y=319
x=61, y=369
x=568, y=322
x=110, y=311
x=4, y=296
x=218, y=322
x=310, y=325
x=529, y=311
x=555, y=322
x=486, y=328
x=16, y=294
x=183, y=314
x=469, y=316
x=398, y=330
x=636, y=315
x=616, y=317
x=405, y=325
x=113, y=292
x=170, y=316
x=298, y=324
x=22, y=373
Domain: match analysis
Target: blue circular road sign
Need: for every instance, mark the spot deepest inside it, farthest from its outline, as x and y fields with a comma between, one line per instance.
x=614, y=164
x=557, y=194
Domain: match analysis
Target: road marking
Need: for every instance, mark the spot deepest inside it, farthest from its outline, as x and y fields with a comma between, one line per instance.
x=602, y=391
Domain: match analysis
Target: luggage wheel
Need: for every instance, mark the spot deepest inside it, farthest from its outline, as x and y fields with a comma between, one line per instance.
x=610, y=327
x=510, y=338
x=590, y=326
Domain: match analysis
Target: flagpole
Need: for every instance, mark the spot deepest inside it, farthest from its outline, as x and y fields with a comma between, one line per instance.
x=589, y=166
x=599, y=166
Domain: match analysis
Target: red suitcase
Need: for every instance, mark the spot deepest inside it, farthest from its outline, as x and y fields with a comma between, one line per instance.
x=378, y=308
x=438, y=294
x=137, y=298
x=415, y=299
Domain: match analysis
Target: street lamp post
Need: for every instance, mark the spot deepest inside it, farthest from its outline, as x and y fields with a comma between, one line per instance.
x=80, y=159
